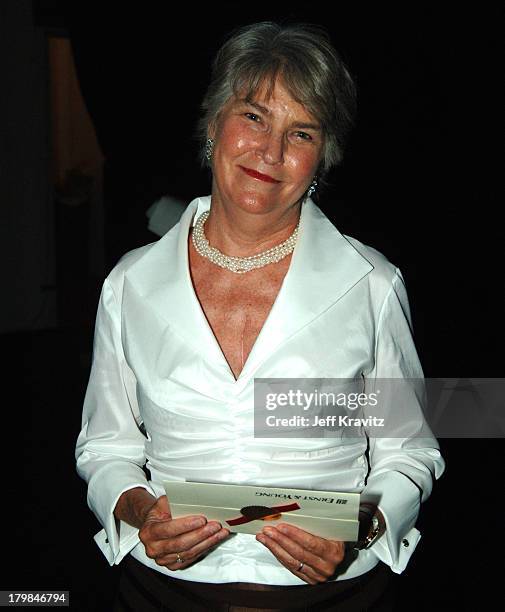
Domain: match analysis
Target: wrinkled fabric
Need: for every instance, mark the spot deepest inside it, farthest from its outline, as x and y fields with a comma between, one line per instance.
x=342, y=312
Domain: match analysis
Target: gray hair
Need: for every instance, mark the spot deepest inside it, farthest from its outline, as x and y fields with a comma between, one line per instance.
x=310, y=68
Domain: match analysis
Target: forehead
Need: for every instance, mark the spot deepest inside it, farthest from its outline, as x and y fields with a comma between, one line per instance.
x=273, y=96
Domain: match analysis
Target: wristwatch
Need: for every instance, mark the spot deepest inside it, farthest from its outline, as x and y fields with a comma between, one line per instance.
x=371, y=536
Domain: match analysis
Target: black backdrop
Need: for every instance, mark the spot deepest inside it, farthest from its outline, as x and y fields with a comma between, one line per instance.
x=419, y=183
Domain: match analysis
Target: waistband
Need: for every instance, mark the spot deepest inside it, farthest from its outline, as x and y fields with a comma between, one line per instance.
x=142, y=586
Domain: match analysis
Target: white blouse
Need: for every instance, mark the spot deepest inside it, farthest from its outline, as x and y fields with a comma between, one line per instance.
x=342, y=312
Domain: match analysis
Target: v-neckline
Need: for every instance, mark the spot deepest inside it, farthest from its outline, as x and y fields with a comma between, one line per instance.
x=203, y=317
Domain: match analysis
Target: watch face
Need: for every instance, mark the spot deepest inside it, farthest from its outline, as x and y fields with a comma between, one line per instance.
x=373, y=532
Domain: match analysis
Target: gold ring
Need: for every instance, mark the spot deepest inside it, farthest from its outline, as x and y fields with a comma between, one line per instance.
x=300, y=567
x=179, y=558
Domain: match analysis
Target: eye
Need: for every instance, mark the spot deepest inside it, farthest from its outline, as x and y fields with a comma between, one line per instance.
x=303, y=135
x=252, y=117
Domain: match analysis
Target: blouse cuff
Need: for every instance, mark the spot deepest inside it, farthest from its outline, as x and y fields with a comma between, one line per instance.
x=398, y=498
x=117, y=538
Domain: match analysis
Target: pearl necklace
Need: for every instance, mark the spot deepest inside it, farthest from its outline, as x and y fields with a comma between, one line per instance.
x=239, y=265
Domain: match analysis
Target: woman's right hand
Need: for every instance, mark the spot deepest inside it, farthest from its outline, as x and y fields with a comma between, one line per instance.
x=177, y=543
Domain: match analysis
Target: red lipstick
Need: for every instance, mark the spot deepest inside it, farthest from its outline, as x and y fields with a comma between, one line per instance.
x=259, y=176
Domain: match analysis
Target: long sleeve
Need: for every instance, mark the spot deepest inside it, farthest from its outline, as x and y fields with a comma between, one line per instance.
x=110, y=446
x=405, y=459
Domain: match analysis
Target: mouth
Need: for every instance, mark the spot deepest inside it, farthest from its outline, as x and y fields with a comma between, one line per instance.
x=259, y=175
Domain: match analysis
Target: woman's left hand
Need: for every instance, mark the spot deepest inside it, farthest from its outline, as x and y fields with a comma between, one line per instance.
x=311, y=558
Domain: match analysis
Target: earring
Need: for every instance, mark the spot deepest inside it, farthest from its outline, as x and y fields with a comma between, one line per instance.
x=312, y=187
x=209, y=145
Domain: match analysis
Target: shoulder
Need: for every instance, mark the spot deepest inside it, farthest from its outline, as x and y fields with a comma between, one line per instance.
x=386, y=285
x=346, y=252
x=152, y=264
x=115, y=278
x=384, y=274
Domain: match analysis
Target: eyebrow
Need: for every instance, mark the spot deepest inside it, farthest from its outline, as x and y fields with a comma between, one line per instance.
x=299, y=125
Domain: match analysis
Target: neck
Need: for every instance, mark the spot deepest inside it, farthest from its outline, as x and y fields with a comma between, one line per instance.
x=239, y=233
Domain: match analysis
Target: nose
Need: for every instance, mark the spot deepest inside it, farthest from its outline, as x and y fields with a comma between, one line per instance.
x=272, y=148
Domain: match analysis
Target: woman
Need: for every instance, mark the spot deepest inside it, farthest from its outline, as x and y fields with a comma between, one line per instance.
x=254, y=282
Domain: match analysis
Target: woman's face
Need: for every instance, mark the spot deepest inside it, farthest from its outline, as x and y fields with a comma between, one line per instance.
x=266, y=152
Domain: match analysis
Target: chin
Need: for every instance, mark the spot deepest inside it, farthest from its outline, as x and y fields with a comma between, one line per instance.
x=260, y=203
x=257, y=203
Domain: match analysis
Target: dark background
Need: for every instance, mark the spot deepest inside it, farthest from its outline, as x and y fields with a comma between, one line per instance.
x=419, y=183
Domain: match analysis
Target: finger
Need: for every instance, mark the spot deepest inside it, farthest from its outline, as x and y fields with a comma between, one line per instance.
x=292, y=564
x=306, y=540
x=192, y=554
x=329, y=550
x=185, y=542
x=308, y=574
x=174, y=566
x=158, y=536
x=166, y=529
x=324, y=565
x=189, y=540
